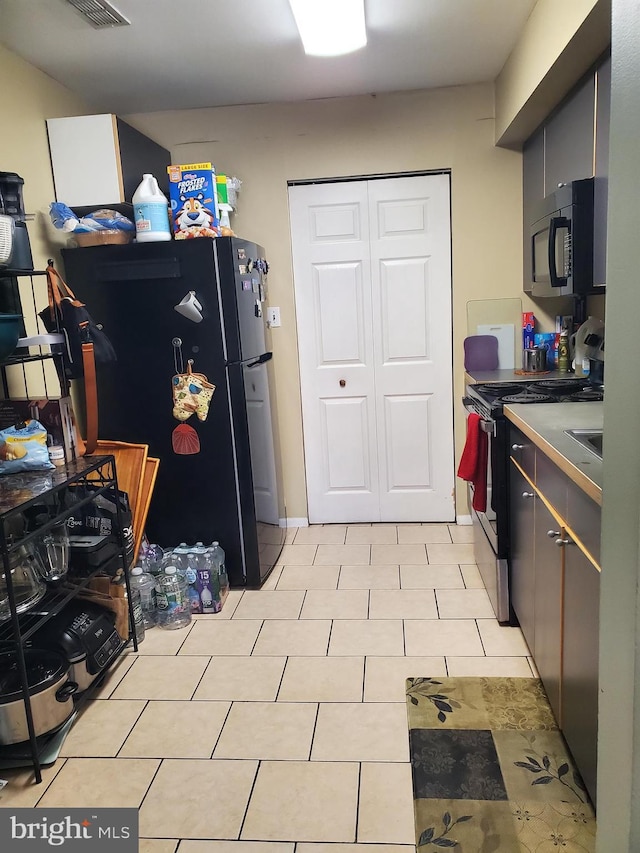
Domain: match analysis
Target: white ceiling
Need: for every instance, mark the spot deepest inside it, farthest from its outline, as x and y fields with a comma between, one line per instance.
x=179, y=55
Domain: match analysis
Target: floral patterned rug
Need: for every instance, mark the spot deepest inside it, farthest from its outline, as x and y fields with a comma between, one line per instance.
x=491, y=771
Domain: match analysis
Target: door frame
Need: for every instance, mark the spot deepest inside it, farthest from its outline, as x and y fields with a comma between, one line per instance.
x=341, y=179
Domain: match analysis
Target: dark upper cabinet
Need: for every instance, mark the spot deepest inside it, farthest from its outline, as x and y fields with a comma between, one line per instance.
x=532, y=192
x=572, y=144
x=569, y=139
x=603, y=109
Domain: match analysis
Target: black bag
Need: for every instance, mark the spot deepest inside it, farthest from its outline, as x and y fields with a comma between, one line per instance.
x=68, y=315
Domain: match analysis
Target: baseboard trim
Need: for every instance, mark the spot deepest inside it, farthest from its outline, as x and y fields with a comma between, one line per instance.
x=294, y=522
x=464, y=520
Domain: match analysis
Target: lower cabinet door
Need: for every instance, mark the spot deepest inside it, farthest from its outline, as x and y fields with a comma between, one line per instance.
x=547, y=649
x=522, y=575
x=580, y=662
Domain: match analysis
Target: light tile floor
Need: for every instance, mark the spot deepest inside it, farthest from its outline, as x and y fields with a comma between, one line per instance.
x=279, y=725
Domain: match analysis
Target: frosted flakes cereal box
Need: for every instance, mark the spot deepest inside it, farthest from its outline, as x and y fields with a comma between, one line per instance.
x=194, y=203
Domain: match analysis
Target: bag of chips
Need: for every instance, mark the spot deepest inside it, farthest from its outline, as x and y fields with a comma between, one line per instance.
x=23, y=447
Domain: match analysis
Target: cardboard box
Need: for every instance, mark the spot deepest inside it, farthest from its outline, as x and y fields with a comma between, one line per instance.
x=528, y=327
x=549, y=341
x=194, y=201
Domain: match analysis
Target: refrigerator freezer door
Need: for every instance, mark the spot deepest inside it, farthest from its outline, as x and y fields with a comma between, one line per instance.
x=241, y=294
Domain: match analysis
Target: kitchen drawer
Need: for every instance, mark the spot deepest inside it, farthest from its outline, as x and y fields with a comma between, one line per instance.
x=584, y=518
x=552, y=483
x=523, y=451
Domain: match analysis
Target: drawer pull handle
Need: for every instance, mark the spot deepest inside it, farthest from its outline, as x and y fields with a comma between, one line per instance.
x=561, y=542
x=553, y=533
x=517, y=447
x=528, y=495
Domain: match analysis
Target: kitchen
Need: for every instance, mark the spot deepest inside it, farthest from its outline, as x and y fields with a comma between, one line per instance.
x=365, y=135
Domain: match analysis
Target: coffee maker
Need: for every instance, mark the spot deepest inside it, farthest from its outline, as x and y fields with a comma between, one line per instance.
x=11, y=204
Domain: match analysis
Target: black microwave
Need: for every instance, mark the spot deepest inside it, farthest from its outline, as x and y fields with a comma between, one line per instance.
x=562, y=239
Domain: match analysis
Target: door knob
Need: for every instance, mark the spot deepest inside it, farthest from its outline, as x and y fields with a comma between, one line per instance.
x=553, y=533
x=528, y=495
x=342, y=383
x=517, y=447
x=561, y=542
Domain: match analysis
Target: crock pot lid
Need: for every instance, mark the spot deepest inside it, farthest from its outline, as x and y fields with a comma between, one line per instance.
x=44, y=668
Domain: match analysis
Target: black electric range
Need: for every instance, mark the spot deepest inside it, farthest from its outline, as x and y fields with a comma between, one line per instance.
x=488, y=398
x=491, y=527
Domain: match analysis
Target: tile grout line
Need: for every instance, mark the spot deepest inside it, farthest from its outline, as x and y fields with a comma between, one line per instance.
x=128, y=734
x=255, y=642
x=193, y=693
x=246, y=809
x=224, y=723
x=313, y=733
x=355, y=840
x=480, y=636
x=284, y=669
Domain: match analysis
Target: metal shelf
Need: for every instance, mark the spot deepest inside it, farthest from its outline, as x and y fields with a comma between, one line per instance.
x=50, y=605
x=18, y=492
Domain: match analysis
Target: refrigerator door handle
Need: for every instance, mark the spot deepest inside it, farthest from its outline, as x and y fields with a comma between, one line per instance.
x=261, y=359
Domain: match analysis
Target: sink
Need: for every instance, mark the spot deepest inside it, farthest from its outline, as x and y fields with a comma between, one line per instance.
x=589, y=438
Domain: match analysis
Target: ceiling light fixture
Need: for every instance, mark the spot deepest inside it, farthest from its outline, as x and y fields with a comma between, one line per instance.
x=330, y=27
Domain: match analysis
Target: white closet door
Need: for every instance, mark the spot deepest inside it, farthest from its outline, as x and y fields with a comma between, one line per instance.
x=373, y=300
x=410, y=238
x=330, y=232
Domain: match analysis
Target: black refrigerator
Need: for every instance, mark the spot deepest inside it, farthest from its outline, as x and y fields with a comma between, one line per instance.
x=182, y=316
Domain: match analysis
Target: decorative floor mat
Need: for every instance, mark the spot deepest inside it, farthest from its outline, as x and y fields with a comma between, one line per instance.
x=491, y=771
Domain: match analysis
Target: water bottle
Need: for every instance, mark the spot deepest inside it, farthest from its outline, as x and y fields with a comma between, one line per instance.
x=172, y=599
x=217, y=557
x=146, y=586
x=138, y=618
x=207, y=580
x=150, y=212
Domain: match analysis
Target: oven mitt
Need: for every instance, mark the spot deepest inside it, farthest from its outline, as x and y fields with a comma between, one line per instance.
x=192, y=394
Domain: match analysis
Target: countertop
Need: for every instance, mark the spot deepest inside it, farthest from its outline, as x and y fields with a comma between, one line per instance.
x=545, y=423
x=512, y=376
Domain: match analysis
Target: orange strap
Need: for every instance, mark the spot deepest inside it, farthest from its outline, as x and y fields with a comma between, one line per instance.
x=58, y=289
x=91, y=397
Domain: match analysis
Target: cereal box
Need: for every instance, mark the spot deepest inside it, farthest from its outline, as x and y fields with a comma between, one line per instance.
x=194, y=203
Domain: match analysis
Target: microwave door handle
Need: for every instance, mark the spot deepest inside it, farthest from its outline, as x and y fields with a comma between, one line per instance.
x=556, y=223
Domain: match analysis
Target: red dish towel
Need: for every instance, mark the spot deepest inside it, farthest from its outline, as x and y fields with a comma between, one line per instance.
x=473, y=462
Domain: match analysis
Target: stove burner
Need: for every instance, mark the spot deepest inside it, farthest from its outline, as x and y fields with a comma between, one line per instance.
x=557, y=386
x=528, y=397
x=498, y=389
x=587, y=395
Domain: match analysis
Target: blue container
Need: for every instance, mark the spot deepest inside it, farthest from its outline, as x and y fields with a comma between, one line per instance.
x=10, y=328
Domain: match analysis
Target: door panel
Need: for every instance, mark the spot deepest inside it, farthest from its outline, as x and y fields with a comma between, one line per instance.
x=345, y=442
x=410, y=242
x=406, y=422
x=372, y=275
x=403, y=291
x=339, y=316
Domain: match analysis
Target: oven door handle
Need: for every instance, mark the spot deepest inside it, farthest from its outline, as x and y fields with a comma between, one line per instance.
x=488, y=426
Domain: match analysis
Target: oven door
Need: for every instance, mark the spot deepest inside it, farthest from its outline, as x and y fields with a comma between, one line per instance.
x=489, y=527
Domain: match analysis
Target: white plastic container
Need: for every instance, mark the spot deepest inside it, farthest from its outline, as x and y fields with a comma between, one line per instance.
x=151, y=212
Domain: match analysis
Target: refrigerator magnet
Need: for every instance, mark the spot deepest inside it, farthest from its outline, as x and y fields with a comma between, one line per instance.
x=262, y=293
x=246, y=284
x=255, y=285
x=242, y=269
x=241, y=254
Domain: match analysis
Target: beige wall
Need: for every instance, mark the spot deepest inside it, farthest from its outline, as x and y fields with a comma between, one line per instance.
x=28, y=98
x=267, y=145
x=558, y=44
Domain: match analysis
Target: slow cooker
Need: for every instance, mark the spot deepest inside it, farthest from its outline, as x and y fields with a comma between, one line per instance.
x=50, y=691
